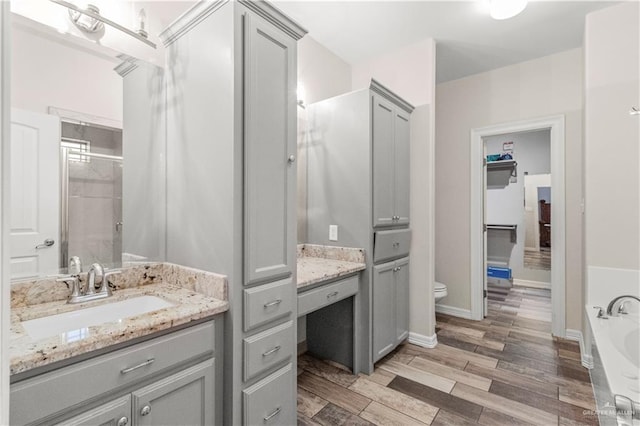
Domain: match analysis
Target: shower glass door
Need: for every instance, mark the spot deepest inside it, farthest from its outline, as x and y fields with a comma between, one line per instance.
x=91, y=206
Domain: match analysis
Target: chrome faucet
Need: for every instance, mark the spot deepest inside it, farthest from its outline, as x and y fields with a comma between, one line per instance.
x=616, y=306
x=96, y=275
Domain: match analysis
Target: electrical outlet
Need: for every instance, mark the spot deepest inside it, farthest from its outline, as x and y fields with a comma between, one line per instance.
x=333, y=232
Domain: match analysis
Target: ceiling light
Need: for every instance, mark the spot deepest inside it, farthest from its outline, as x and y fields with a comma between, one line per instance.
x=505, y=9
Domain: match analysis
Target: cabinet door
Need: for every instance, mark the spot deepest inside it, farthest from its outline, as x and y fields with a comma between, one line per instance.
x=185, y=398
x=269, y=151
x=384, y=309
x=383, y=162
x=401, y=166
x=402, y=299
x=113, y=413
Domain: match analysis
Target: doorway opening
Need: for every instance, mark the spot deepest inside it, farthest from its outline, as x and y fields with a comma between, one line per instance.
x=512, y=245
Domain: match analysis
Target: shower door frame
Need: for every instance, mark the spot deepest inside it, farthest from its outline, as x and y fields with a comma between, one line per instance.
x=64, y=194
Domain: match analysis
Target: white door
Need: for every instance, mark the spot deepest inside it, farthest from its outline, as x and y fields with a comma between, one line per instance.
x=485, y=291
x=35, y=194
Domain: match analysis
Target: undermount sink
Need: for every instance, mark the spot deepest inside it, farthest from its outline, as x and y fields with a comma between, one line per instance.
x=74, y=325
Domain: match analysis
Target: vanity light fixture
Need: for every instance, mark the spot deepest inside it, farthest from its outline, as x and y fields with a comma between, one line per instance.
x=90, y=21
x=142, y=16
x=505, y=9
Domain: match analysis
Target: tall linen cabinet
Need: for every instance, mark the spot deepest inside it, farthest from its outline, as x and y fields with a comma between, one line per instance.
x=231, y=184
x=358, y=179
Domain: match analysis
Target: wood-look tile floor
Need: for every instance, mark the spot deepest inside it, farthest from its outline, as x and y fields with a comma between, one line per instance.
x=538, y=259
x=504, y=370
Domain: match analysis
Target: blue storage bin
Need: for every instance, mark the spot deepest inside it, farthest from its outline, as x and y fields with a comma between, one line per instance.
x=499, y=272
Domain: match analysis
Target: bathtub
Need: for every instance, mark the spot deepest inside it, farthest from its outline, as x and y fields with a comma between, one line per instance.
x=616, y=371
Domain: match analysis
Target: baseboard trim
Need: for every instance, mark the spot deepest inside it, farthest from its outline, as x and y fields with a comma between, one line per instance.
x=452, y=310
x=533, y=284
x=422, y=340
x=576, y=335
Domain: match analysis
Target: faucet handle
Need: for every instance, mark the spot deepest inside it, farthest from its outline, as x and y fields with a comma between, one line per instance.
x=73, y=281
x=622, y=308
x=75, y=266
x=105, y=280
x=601, y=313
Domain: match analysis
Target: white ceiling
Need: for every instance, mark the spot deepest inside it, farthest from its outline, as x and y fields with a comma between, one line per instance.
x=468, y=40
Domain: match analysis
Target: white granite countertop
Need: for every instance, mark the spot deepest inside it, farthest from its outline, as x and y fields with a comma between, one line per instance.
x=194, y=294
x=324, y=263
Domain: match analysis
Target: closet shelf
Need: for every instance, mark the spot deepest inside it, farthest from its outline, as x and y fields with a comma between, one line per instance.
x=499, y=173
x=513, y=229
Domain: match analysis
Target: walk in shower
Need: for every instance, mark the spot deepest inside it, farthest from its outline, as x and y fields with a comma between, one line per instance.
x=91, y=194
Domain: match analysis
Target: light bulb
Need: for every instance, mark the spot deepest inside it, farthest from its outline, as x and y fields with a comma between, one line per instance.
x=505, y=9
x=142, y=17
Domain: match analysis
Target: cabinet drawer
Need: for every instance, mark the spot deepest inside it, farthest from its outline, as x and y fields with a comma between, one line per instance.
x=267, y=349
x=271, y=400
x=391, y=244
x=105, y=373
x=267, y=302
x=317, y=298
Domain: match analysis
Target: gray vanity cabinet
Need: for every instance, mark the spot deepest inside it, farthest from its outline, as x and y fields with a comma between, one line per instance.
x=390, y=306
x=233, y=124
x=390, y=140
x=180, y=399
x=269, y=152
x=113, y=413
x=358, y=179
x=169, y=379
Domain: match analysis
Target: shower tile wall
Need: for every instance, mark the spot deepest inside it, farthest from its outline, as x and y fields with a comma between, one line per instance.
x=95, y=197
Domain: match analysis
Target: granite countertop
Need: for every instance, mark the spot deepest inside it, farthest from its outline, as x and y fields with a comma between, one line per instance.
x=195, y=295
x=324, y=263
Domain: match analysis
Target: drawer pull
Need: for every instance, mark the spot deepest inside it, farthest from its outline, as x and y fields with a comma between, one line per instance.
x=135, y=367
x=330, y=295
x=145, y=411
x=272, y=415
x=274, y=303
x=124, y=421
x=271, y=351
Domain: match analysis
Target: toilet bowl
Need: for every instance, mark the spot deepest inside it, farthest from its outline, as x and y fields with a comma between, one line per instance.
x=439, y=291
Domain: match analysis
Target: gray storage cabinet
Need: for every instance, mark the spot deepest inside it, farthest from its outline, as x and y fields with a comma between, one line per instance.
x=390, y=305
x=390, y=140
x=232, y=134
x=358, y=179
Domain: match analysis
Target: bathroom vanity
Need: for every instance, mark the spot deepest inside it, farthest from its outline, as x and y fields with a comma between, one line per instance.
x=163, y=366
x=328, y=291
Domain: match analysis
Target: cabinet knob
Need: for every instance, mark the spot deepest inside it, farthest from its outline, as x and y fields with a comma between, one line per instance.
x=292, y=159
x=123, y=421
x=145, y=410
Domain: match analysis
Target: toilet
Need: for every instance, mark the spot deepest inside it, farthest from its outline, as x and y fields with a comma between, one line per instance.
x=439, y=291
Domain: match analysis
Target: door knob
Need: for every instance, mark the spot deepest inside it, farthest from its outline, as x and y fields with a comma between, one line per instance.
x=47, y=243
x=123, y=421
x=145, y=410
x=292, y=159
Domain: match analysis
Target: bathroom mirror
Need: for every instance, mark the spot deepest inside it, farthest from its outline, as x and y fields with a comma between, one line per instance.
x=87, y=154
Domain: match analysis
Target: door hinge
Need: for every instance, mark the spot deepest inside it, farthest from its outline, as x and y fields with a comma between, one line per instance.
x=484, y=294
x=484, y=162
x=484, y=227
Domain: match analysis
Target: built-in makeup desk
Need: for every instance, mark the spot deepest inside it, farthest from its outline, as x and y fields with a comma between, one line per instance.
x=328, y=283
